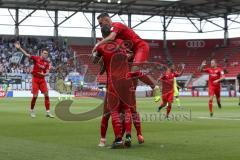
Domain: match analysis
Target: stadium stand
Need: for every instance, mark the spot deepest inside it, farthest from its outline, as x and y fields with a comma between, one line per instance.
x=60, y=57
x=192, y=57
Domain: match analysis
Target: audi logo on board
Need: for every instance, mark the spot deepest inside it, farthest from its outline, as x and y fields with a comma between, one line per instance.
x=195, y=44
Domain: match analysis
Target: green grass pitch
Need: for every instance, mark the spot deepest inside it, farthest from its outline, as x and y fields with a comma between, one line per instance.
x=194, y=136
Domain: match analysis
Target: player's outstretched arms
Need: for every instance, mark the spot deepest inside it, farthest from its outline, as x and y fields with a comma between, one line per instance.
x=110, y=37
x=18, y=46
x=204, y=63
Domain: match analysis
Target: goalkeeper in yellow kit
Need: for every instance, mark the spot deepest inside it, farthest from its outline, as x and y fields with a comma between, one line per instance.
x=176, y=93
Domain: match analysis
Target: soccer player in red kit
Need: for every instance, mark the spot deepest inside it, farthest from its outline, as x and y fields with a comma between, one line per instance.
x=167, y=80
x=139, y=47
x=135, y=114
x=40, y=70
x=216, y=75
x=115, y=56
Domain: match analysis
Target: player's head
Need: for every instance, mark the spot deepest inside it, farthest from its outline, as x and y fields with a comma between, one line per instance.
x=106, y=30
x=213, y=63
x=104, y=19
x=44, y=53
x=171, y=67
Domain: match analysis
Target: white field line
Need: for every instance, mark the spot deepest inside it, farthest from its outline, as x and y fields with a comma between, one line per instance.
x=221, y=118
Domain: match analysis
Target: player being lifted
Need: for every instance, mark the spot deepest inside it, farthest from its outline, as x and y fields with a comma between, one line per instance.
x=216, y=75
x=167, y=80
x=39, y=72
x=139, y=47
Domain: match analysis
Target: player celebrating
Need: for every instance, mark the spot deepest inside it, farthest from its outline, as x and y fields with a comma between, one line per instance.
x=116, y=65
x=168, y=87
x=106, y=115
x=139, y=47
x=216, y=75
x=40, y=70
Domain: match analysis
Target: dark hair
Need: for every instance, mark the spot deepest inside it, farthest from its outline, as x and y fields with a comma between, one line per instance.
x=170, y=64
x=106, y=30
x=103, y=15
x=44, y=49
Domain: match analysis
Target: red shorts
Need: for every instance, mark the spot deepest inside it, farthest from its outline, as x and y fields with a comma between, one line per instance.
x=39, y=84
x=108, y=103
x=141, y=52
x=167, y=97
x=214, y=91
x=119, y=97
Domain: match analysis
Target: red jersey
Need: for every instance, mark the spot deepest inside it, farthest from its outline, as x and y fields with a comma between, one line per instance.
x=214, y=74
x=40, y=66
x=125, y=33
x=108, y=50
x=167, y=81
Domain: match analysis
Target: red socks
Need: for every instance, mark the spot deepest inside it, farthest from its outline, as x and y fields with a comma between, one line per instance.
x=47, y=103
x=116, y=123
x=218, y=100
x=169, y=107
x=137, y=122
x=104, y=125
x=210, y=105
x=34, y=99
x=128, y=122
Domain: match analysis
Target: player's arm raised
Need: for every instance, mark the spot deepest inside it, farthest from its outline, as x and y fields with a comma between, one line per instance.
x=18, y=46
x=110, y=37
x=201, y=68
x=181, y=70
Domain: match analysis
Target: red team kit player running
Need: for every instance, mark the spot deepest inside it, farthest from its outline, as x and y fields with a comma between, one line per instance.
x=40, y=70
x=216, y=75
x=167, y=80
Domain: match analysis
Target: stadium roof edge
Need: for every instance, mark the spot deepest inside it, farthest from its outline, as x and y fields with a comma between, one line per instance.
x=202, y=9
